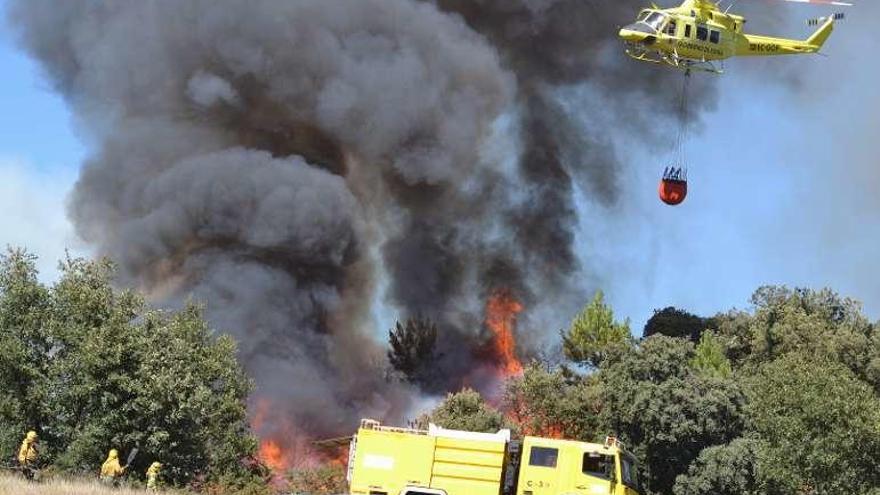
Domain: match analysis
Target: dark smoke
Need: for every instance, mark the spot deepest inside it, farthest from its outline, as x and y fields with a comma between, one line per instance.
x=277, y=158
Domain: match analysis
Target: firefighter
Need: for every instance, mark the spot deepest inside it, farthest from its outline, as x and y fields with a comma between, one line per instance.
x=153, y=476
x=111, y=471
x=27, y=455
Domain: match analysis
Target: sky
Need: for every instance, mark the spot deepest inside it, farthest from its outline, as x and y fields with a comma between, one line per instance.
x=40, y=156
x=784, y=187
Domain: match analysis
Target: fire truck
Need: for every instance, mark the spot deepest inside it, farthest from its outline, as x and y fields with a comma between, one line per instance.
x=385, y=460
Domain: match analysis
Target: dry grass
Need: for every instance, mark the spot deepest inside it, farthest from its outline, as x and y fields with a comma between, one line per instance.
x=16, y=485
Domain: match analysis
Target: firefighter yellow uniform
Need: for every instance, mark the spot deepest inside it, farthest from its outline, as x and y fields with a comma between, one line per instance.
x=153, y=476
x=111, y=470
x=27, y=454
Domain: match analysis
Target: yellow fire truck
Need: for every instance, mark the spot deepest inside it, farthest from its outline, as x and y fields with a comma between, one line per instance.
x=385, y=460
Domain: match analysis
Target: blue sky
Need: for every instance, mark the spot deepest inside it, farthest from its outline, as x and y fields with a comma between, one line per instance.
x=39, y=160
x=784, y=184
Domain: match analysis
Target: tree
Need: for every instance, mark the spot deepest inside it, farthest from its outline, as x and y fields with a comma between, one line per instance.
x=665, y=411
x=820, y=424
x=24, y=340
x=734, y=329
x=674, y=322
x=709, y=358
x=544, y=403
x=91, y=368
x=594, y=334
x=465, y=410
x=813, y=322
x=723, y=470
x=412, y=349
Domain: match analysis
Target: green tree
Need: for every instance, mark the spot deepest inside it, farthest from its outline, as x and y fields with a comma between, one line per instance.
x=465, y=410
x=412, y=349
x=594, y=334
x=820, y=323
x=665, y=411
x=24, y=341
x=723, y=470
x=820, y=424
x=674, y=322
x=709, y=358
x=545, y=403
x=92, y=368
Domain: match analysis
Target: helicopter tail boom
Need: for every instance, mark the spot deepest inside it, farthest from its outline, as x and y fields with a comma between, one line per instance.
x=755, y=45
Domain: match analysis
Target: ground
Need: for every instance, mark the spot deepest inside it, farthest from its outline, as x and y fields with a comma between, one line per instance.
x=15, y=485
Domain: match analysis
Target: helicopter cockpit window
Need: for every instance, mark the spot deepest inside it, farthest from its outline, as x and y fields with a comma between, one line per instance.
x=670, y=28
x=702, y=33
x=643, y=16
x=655, y=20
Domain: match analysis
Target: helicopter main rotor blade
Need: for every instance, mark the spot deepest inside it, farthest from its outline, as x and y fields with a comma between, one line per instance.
x=822, y=2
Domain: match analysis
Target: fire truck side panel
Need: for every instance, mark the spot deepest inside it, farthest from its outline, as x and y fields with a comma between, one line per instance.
x=467, y=467
x=388, y=462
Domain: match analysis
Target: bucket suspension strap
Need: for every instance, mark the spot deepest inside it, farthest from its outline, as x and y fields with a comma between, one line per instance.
x=680, y=157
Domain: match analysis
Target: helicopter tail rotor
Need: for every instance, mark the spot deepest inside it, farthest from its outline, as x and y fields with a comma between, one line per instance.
x=821, y=20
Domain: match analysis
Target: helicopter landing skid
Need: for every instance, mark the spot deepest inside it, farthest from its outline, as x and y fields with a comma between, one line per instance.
x=642, y=53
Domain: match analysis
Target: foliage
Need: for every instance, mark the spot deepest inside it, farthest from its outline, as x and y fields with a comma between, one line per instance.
x=820, y=323
x=733, y=329
x=594, y=334
x=90, y=368
x=665, y=411
x=544, y=403
x=412, y=349
x=723, y=470
x=820, y=425
x=465, y=410
x=674, y=322
x=329, y=480
x=709, y=358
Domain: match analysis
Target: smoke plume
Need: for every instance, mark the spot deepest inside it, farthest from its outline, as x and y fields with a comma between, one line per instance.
x=279, y=158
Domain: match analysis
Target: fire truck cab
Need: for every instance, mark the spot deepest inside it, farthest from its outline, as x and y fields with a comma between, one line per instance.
x=401, y=461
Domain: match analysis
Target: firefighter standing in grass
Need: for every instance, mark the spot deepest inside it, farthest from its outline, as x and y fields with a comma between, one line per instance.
x=153, y=476
x=27, y=455
x=111, y=471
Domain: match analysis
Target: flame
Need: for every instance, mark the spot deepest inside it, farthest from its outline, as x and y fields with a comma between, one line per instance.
x=501, y=312
x=283, y=447
x=273, y=455
x=280, y=446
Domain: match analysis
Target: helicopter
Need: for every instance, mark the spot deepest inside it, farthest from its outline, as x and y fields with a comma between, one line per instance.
x=699, y=35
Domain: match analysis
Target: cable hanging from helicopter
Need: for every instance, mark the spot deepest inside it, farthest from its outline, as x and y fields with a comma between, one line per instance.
x=673, y=184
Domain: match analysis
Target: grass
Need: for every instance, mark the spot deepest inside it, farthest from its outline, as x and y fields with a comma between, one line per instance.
x=17, y=485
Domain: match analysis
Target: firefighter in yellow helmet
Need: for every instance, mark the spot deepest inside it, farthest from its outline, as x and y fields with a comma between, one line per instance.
x=153, y=476
x=111, y=470
x=27, y=455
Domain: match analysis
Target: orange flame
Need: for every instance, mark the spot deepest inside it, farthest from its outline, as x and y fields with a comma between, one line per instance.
x=279, y=445
x=501, y=312
x=283, y=447
x=273, y=455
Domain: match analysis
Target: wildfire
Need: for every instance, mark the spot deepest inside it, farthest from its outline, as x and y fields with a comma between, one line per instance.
x=501, y=312
x=278, y=443
x=284, y=447
x=273, y=455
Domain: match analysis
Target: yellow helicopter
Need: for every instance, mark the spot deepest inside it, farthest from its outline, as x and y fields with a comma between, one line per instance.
x=699, y=35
